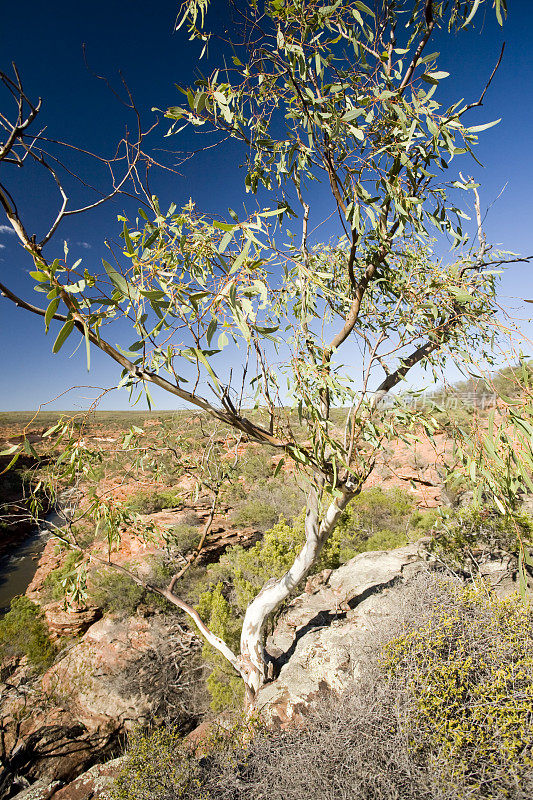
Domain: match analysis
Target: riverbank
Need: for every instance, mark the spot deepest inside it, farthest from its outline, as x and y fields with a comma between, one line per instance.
x=19, y=565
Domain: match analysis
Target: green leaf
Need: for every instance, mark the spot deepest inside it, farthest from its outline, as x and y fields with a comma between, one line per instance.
x=129, y=243
x=472, y=14
x=40, y=277
x=499, y=504
x=226, y=239
x=63, y=335
x=486, y=126
x=10, y=450
x=50, y=311
x=461, y=295
x=118, y=280
x=438, y=76
x=12, y=462
x=201, y=357
x=278, y=468
x=362, y=7
x=239, y=261
x=223, y=226
x=211, y=330
x=29, y=449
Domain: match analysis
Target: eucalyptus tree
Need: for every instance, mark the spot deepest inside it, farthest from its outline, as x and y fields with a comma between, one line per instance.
x=326, y=290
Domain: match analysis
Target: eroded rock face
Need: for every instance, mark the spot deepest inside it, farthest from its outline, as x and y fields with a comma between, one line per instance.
x=76, y=714
x=100, y=674
x=321, y=643
x=91, y=785
x=63, y=621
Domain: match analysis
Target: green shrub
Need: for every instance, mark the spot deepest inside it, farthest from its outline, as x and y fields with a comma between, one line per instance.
x=255, y=466
x=267, y=502
x=114, y=592
x=468, y=672
x=23, y=632
x=55, y=583
x=225, y=687
x=149, y=502
x=459, y=532
x=183, y=538
x=245, y=571
x=156, y=765
x=255, y=513
x=378, y=519
x=161, y=765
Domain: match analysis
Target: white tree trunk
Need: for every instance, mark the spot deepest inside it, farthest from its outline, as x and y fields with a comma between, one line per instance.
x=252, y=657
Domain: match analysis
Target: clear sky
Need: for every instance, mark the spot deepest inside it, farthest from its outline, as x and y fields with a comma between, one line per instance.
x=45, y=40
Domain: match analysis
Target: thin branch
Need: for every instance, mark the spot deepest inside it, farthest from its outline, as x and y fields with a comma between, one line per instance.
x=430, y=23
x=27, y=306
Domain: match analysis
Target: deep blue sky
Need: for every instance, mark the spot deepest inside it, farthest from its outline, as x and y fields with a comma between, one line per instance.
x=45, y=41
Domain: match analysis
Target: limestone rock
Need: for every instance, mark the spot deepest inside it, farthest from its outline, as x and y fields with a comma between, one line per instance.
x=322, y=641
x=92, y=784
x=75, y=715
x=89, y=676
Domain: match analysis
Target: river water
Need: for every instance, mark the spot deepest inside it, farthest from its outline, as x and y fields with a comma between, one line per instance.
x=18, y=567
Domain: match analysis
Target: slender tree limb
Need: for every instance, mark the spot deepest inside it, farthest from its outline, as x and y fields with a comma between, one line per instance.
x=27, y=306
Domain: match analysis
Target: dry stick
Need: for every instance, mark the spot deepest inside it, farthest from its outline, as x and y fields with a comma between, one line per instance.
x=192, y=557
x=493, y=73
x=27, y=306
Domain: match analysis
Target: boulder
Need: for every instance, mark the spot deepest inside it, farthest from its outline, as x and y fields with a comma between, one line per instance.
x=321, y=643
x=91, y=785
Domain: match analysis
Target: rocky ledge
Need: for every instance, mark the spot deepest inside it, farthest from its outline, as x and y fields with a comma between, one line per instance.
x=322, y=641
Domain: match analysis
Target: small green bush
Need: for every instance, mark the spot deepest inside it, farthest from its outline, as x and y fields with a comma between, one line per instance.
x=23, y=632
x=157, y=767
x=54, y=586
x=161, y=765
x=114, y=592
x=267, y=502
x=461, y=531
x=255, y=513
x=378, y=519
x=224, y=686
x=255, y=466
x=149, y=502
x=182, y=538
x=245, y=571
